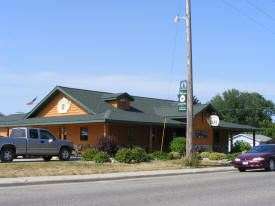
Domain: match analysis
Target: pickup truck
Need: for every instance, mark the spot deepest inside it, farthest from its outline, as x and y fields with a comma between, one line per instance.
x=24, y=141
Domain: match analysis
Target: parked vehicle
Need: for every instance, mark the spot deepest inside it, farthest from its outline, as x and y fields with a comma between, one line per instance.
x=262, y=156
x=25, y=141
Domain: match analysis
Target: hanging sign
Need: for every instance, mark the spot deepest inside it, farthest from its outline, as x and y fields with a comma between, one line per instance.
x=213, y=120
x=182, y=97
x=63, y=105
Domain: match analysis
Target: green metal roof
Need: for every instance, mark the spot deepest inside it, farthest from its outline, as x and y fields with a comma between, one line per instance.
x=116, y=96
x=236, y=127
x=143, y=110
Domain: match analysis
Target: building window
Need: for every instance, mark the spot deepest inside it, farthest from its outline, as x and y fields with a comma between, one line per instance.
x=62, y=133
x=122, y=102
x=83, y=133
x=201, y=134
x=131, y=134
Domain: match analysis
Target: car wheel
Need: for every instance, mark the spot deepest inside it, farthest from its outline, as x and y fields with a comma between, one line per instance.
x=241, y=169
x=271, y=165
x=64, y=154
x=47, y=158
x=7, y=155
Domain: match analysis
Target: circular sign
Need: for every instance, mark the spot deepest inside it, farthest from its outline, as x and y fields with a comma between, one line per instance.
x=213, y=120
x=182, y=98
x=63, y=105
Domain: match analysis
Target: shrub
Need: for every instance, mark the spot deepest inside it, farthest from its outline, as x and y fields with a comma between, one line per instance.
x=194, y=163
x=139, y=154
x=89, y=154
x=175, y=155
x=205, y=154
x=178, y=144
x=106, y=144
x=124, y=155
x=232, y=156
x=102, y=157
x=162, y=155
x=240, y=146
x=217, y=156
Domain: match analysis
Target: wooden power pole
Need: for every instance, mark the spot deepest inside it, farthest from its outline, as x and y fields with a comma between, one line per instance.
x=189, y=130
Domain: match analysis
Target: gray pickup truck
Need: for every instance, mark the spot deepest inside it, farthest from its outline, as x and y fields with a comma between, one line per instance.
x=25, y=141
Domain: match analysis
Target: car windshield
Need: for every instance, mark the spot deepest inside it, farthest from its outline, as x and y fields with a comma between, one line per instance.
x=262, y=149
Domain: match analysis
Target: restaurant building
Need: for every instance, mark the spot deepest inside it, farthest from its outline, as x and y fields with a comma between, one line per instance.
x=81, y=116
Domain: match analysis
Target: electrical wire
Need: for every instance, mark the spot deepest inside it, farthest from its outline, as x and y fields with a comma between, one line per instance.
x=260, y=10
x=249, y=17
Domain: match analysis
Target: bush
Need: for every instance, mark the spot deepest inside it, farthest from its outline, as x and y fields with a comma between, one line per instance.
x=217, y=156
x=139, y=154
x=240, y=146
x=102, y=157
x=124, y=155
x=205, y=154
x=175, y=155
x=232, y=156
x=106, y=144
x=89, y=154
x=178, y=144
x=162, y=155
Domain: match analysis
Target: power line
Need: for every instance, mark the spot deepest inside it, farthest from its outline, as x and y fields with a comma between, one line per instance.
x=249, y=17
x=260, y=10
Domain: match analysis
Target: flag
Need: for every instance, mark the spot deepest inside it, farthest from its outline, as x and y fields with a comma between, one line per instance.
x=32, y=102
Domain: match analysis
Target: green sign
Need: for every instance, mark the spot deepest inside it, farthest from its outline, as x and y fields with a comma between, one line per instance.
x=182, y=97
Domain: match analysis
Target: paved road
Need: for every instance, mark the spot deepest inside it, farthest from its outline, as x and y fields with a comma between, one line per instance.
x=222, y=189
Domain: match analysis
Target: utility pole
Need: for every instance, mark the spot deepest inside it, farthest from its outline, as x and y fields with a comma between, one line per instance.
x=189, y=129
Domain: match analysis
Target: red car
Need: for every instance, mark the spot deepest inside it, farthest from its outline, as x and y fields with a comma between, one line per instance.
x=262, y=156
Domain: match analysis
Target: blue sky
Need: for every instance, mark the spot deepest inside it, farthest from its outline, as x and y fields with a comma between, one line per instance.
x=134, y=46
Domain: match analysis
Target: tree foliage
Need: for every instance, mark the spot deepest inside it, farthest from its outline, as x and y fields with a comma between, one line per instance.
x=269, y=128
x=243, y=107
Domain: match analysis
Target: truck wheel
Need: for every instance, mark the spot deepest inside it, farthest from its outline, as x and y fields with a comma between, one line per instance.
x=7, y=155
x=64, y=154
x=47, y=158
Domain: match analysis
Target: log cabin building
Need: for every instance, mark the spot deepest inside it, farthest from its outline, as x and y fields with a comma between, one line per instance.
x=81, y=116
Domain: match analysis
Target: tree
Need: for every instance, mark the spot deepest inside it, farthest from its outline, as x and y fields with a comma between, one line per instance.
x=243, y=107
x=269, y=128
x=196, y=100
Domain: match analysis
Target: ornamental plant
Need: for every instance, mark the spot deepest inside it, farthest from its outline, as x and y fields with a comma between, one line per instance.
x=124, y=155
x=139, y=155
x=240, y=146
x=102, y=157
x=89, y=154
x=107, y=144
x=178, y=144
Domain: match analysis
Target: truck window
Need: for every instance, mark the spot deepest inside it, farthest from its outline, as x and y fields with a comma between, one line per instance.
x=46, y=135
x=33, y=134
x=18, y=133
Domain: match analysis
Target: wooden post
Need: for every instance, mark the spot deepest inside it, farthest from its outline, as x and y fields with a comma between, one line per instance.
x=254, y=139
x=150, y=140
x=8, y=132
x=189, y=130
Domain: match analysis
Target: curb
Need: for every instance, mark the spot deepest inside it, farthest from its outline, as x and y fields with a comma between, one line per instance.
x=22, y=181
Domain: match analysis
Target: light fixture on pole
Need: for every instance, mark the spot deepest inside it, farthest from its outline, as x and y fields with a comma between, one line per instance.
x=178, y=18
